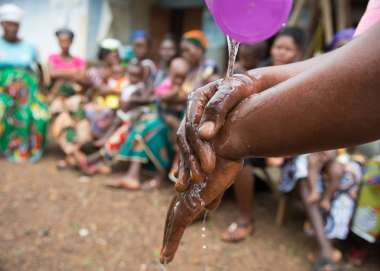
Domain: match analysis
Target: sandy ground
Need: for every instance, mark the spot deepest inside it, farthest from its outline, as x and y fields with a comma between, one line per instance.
x=55, y=221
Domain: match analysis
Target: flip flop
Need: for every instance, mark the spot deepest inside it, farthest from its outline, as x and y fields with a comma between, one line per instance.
x=236, y=233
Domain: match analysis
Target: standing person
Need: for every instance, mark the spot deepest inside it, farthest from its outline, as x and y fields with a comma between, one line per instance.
x=193, y=48
x=64, y=68
x=23, y=116
x=288, y=47
x=141, y=49
x=168, y=50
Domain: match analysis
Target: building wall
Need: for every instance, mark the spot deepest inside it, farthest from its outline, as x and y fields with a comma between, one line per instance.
x=44, y=17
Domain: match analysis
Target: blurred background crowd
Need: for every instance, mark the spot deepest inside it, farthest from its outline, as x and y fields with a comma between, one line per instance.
x=108, y=81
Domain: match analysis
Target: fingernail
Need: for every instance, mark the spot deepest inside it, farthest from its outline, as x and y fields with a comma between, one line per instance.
x=206, y=130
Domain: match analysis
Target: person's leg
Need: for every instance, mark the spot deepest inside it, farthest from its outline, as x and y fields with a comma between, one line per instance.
x=312, y=209
x=244, y=195
x=315, y=163
x=243, y=188
x=334, y=174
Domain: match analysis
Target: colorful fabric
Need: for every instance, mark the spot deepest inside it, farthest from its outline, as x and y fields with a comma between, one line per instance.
x=148, y=143
x=366, y=223
x=58, y=63
x=163, y=88
x=17, y=55
x=23, y=116
x=196, y=37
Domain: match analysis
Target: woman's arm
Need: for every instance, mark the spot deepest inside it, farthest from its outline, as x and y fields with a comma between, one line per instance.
x=334, y=103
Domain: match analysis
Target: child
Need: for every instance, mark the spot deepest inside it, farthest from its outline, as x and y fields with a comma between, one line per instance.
x=110, y=97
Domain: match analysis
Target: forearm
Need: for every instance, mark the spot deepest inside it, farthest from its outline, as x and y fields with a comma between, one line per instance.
x=268, y=77
x=332, y=104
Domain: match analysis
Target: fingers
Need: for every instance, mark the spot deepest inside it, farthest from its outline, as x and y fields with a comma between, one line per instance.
x=202, y=150
x=184, y=153
x=230, y=93
x=178, y=217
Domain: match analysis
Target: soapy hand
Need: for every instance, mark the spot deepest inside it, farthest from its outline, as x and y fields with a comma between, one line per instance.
x=187, y=206
x=207, y=111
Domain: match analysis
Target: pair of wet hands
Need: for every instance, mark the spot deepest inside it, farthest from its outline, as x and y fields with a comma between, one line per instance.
x=203, y=175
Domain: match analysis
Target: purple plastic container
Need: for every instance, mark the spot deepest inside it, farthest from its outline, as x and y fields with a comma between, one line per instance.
x=250, y=21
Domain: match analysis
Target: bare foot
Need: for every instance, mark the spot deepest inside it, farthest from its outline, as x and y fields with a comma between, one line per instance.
x=125, y=183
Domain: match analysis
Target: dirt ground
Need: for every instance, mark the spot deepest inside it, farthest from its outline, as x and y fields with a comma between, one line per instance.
x=53, y=221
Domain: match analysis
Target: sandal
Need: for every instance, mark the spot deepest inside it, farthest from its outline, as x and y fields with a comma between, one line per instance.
x=127, y=184
x=237, y=233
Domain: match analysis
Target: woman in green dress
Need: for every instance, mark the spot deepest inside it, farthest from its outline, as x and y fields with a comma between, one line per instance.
x=149, y=143
x=23, y=116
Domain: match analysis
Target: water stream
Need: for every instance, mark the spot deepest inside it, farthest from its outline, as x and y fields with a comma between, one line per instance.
x=233, y=48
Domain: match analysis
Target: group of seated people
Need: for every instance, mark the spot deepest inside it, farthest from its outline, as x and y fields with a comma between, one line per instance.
x=129, y=110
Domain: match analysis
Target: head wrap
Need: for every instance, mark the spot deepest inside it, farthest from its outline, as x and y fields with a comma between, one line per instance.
x=342, y=35
x=111, y=44
x=196, y=37
x=139, y=34
x=11, y=13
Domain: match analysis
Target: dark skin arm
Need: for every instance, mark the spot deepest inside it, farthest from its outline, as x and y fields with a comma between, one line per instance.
x=333, y=103
x=209, y=106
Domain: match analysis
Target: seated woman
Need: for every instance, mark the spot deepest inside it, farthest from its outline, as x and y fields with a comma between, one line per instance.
x=148, y=143
x=141, y=49
x=23, y=116
x=202, y=70
x=167, y=52
x=69, y=127
x=99, y=78
x=133, y=94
